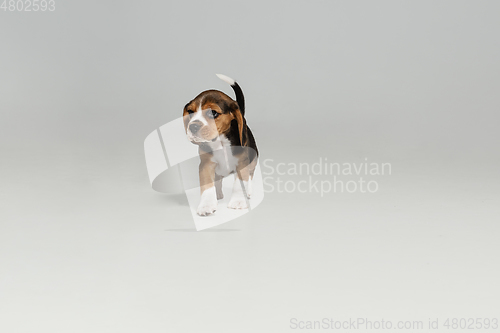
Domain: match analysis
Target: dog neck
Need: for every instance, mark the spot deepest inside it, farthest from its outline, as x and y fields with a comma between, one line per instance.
x=221, y=142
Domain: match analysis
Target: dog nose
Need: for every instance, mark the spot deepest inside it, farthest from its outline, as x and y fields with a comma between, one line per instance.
x=195, y=126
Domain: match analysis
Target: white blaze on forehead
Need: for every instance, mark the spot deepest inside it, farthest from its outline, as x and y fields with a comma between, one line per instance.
x=199, y=115
x=199, y=105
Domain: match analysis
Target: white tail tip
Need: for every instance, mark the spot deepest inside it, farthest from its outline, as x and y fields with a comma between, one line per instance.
x=225, y=79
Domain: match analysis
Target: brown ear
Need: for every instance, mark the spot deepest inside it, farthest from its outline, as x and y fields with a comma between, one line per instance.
x=241, y=122
x=185, y=116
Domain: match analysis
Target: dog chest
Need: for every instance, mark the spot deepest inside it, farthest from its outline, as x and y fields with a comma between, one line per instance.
x=223, y=157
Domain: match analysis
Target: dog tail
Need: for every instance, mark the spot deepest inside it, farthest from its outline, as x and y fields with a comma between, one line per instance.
x=237, y=90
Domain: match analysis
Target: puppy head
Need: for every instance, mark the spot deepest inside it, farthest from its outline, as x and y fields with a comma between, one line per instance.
x=209, y=115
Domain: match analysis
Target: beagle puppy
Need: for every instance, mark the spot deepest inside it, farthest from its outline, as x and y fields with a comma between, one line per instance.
x=216, y=123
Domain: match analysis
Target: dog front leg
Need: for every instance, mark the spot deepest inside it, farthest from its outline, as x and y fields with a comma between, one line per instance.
x=239, y=197
x=218, y=186
x=208, y=202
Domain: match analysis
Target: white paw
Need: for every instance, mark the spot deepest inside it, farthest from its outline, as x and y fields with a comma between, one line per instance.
x=208, y=203
x=237, y=202
x=204, y=210
x=238, y=199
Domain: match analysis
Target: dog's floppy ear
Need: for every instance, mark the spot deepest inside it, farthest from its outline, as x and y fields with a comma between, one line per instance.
x=235, y=110
x=185, y=116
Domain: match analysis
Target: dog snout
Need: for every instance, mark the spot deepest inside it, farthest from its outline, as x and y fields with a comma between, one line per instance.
x=195, y=126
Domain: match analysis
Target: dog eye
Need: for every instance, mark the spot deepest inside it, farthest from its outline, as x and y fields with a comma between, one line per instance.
x=190, y=112
x=212, y=114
